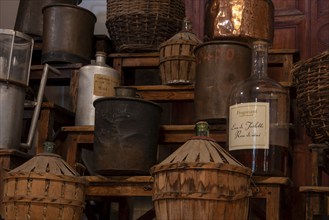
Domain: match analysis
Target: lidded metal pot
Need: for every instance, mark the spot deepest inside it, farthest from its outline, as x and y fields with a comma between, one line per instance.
x=95, y=81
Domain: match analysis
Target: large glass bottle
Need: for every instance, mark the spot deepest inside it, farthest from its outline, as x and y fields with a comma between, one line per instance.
x=258, y=127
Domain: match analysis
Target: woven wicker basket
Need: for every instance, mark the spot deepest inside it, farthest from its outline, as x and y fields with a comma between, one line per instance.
x=201, y=180
x=311, y=79
x=177, y=60
x=142, y=25
x=45, y=187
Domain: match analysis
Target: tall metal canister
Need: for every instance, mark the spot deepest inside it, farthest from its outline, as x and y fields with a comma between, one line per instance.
x=95, y=81
x=219, y=66
x=15, y=62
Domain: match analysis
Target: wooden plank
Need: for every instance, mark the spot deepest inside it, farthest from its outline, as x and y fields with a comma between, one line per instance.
x=314, y=189
x=119, y=186
x=271, y=180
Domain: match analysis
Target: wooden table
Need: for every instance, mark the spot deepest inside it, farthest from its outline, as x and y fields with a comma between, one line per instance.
x=268, y=188
x=75, y=137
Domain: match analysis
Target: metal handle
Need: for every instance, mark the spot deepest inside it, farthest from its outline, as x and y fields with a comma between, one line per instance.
x=37, y=108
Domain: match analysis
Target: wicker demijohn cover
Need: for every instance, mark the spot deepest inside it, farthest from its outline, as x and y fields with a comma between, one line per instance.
x=45, y=187
x=177, y=60
x=311, y=79
x=200, y=180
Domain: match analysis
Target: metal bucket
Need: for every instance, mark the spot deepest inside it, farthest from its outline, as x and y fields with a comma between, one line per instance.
x=15, y=61
x=29, y=18
x=125, y=136
x=67, y=34
x=220, y=65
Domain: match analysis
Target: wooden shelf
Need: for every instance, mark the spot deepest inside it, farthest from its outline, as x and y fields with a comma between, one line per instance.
x=166, y=93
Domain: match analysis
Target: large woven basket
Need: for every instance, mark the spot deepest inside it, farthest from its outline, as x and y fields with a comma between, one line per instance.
x=311, y=79
x=142, y=25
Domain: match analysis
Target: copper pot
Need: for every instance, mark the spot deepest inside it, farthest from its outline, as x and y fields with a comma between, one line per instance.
x=243, y=19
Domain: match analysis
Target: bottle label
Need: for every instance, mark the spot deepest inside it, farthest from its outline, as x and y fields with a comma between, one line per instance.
x=104, y=85
x=249, y=126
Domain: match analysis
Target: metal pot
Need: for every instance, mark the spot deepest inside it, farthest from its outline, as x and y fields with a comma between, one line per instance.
x=67, y=34
x=29, y=18
x=125, y=136
x=220, y=65
x=243, y=20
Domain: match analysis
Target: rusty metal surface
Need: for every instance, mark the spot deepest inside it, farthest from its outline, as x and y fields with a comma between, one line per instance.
x=67, y=34
x=29, y=17
x=126, y=135
x=220, y=66
x=243, y=19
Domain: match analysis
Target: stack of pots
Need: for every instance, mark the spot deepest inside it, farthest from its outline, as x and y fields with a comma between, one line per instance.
x=225, y=58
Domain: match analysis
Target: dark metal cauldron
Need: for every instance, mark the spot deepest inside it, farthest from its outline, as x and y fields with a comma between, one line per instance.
x=219, y=66
x=67, y=34
x=29, y=18
x=125, y=136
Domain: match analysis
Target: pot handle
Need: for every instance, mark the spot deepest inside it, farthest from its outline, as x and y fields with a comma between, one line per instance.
x=37, y=108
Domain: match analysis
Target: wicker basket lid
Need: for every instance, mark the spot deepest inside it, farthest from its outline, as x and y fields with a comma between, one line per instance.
x=202, y=149
x=46, y=163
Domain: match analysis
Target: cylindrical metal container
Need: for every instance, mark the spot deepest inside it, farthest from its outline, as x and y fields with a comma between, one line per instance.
x=15, y=62
x=243, y=20
x=29, y=18
x=67, y=34
x=220, y=65
x=125, y=136
x=95, y=81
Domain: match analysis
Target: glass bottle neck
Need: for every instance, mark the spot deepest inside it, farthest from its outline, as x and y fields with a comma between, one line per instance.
x=100, y=59
x=259, y=58
x=202, y=129
x=187, y=25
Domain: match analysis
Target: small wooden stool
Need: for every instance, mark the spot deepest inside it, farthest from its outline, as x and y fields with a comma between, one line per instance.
x=52, y=117
x=317, y=196
x=270, y=189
